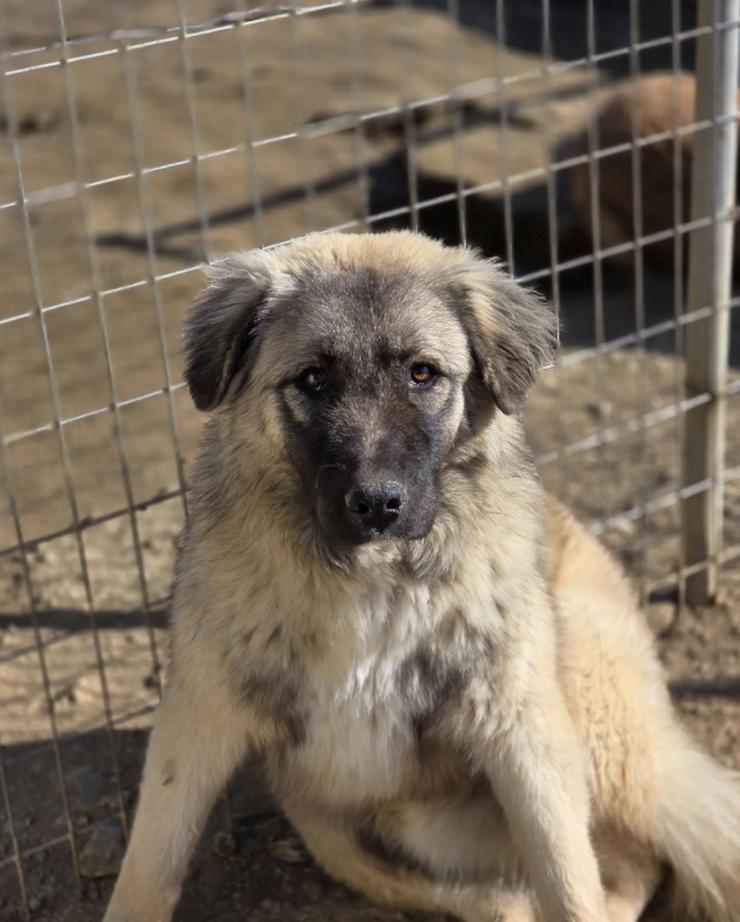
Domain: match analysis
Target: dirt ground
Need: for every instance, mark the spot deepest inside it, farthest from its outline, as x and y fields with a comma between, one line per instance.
x=82, y=620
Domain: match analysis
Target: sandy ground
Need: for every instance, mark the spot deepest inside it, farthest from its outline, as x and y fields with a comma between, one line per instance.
x=82, y=621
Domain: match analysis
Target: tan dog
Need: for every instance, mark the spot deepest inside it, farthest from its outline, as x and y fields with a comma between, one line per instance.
x=456, y=696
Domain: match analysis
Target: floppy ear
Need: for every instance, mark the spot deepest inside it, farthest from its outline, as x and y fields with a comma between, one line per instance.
x=513, y=332
x=222, y=327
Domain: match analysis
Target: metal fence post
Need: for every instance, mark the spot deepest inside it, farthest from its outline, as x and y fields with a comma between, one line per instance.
x=709, y=285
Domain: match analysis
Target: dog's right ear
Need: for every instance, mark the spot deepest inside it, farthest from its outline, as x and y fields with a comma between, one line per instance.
x=221, y=330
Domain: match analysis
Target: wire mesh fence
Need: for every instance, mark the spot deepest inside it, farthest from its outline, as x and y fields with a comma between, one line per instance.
x=137, y=143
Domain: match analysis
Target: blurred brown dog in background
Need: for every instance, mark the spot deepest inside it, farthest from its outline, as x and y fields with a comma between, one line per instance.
x=657, y=110
x=455, y=693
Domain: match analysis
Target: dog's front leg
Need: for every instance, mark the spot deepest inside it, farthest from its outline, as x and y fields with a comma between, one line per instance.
x=533, y=761
x=199, y=737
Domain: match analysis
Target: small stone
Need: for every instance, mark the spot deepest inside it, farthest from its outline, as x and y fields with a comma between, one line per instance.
x=102, y=854
x=150, y=681
x=86, y=786
x=106, y=806
x=34, y=904
x=599, y=410
x=288, y=850
x=661, y=616
x=223, y=845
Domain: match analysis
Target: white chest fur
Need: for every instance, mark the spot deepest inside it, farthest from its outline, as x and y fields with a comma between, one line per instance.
x=361, y=739
x=356, y=751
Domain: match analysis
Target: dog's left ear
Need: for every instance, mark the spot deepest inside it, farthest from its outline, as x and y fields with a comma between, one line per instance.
x=513, y=332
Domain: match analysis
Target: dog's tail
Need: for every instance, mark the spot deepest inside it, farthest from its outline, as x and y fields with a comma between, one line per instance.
x=696, y=826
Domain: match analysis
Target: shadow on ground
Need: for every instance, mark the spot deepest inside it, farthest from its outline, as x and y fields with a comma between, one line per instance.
x=521, y=26
x=594, y=308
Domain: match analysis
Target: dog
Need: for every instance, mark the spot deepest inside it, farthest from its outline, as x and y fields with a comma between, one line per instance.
x=651, y=110
x=456, y=697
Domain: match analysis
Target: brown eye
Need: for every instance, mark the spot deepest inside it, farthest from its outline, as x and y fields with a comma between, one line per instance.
x=312, y=380
x=423, y=374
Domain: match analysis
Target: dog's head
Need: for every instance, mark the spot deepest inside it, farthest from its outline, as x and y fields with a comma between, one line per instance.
x=365, y=361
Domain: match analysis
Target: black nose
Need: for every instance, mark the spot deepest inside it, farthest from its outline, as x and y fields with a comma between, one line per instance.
x=378, y=505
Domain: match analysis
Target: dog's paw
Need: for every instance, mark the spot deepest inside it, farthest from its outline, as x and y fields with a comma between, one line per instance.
x=500, y=907
x=116, y=912
x=112, y=914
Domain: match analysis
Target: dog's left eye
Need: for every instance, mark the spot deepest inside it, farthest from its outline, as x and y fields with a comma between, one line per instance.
x=422, y=374
x=312, y=380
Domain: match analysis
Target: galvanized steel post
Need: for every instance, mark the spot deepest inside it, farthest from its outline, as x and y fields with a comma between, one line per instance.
x=709, y=290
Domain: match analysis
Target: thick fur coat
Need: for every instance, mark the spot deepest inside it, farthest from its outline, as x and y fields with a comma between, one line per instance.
x=450, y=681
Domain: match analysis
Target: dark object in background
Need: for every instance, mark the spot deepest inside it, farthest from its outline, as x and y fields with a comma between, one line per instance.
x=524, y=24
x=653, y=106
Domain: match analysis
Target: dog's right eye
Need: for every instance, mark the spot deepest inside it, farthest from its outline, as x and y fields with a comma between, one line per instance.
x=311, y=381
